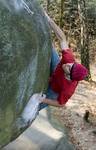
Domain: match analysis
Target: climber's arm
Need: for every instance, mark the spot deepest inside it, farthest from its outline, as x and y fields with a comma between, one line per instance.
x=52, y=102
x=59, y=33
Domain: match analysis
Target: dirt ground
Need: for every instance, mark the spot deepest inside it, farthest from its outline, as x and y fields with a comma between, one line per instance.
x=79, y=116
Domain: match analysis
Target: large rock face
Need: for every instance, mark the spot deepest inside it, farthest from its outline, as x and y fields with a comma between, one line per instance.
x=25, y=47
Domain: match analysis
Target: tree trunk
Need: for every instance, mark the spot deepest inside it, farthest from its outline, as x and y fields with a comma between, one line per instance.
x=48, y=4
x=62, y=13
x=84, y=36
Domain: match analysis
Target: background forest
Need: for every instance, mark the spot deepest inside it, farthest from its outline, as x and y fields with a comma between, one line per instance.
x=77, y=18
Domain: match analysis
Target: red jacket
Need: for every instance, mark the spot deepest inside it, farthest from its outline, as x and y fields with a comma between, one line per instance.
x=59, y=83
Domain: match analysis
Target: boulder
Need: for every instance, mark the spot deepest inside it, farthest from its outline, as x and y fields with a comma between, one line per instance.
x=25, y=50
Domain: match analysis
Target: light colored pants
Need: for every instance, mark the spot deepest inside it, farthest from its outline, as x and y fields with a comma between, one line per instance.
x=50, y=93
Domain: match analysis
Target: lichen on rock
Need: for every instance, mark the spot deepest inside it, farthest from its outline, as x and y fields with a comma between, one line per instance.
x=25, y=48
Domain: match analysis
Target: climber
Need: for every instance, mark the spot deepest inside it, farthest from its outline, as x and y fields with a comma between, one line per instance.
x=66, y=72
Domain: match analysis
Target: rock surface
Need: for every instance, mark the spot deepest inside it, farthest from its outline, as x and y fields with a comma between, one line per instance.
x=41, y=136
x=25, y=47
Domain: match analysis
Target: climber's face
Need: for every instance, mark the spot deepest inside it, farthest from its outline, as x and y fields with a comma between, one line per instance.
x=67, y=69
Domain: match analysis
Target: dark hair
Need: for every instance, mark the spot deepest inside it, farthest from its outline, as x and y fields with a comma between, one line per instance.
x=71, y=71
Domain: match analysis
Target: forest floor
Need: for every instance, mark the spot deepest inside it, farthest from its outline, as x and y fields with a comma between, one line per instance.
x=82, y=133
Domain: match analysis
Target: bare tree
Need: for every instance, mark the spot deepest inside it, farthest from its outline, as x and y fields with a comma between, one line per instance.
x=62, y=13
x=48, y=4
x=84, y=35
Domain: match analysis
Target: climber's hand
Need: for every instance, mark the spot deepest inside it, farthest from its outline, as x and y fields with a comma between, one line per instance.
x=42, y=97
x=38, y=97
x=46, y=15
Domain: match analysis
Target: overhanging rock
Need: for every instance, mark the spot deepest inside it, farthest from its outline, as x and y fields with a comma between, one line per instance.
x=25, y=48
